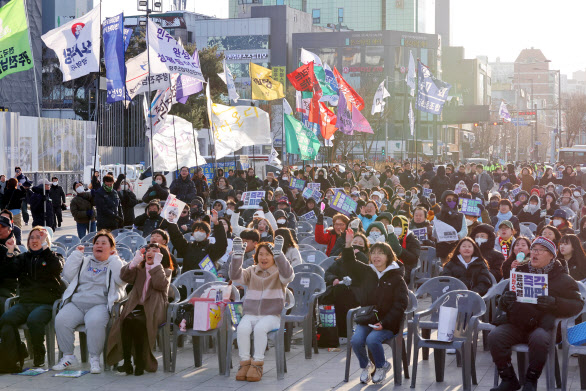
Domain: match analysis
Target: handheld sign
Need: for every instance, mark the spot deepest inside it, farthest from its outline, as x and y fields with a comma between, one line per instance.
x=311, y=193
x=315, y=186
x=298, y=184
x=309, y=216
x=172, y=209
x=420, y=233
x=560, y=174
x=427, y=192
x=528, y=286
x=514, y=193
x=252, y=199
x=444, y=232
x=469, y=207
x=343, y=203
x=207, y=265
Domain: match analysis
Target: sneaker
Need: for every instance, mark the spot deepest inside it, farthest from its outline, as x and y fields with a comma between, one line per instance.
x=367, y=373
x=451, y=351
x=381, y=373
x=95, y=365
x=66, y=362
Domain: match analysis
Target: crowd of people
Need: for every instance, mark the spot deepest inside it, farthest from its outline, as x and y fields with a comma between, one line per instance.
x=529, y=218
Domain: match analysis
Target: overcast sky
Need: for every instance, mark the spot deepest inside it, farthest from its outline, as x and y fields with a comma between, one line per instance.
x=496, y=28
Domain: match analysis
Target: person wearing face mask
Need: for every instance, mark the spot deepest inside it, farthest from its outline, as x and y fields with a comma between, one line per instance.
x=57, y=196
x=282, y=219
x=82, y=210
x=531, y=213
x=368, y=180
x=492, y=207
x=484, y=236
x=404, y=243
x=185, y=222
x=450, y=215
x=107, y=205
x=127, y=202
x=560, y=221
x=505, y=214
x=151, y=219
x=158, y=190
x=376, y=233
x=322, y=178
x=368, y=214
x=195, y=252
x=183, y=187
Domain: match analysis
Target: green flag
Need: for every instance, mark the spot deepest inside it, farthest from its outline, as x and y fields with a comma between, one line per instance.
x=15, y=48
x=299, y=139
x=320, y=75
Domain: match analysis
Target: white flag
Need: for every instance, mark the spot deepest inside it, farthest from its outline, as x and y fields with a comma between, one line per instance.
x=410, y=80
x=77, y=45
x=167, y=56
x=287, y=107
x=137, y=77
x=161, y=104
x=239, y=126
x=411, y=119
x=273, y=159
x=378, y=103
x=227, y=78
x=504, y=112
x=307, y=57
x=173, y=143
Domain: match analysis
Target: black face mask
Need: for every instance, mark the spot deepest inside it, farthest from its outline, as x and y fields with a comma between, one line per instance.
x=368, y=216
x=357, y=247
x=153, y=214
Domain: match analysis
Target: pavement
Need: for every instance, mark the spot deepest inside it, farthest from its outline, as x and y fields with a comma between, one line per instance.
x=324, y=371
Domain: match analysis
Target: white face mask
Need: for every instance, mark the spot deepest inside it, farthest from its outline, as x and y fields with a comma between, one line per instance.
x=531, y=208
x=375, y=235
x=159, y=182
x=79, y=189
x=557, y=222
x=480, y=241
x=398, y=231
x=469, y=222
x=264, y=234
x=377, y=175
x=281, y=221
x=55, y=183
x=285, y=178
x=123, y=187
x=199, y=236
x=229, y=212
x=576, y=194
x=402, y=195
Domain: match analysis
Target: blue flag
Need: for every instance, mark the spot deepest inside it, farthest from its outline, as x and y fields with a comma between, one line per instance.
x=127, y=35
x=431, y=92
x=113, y=32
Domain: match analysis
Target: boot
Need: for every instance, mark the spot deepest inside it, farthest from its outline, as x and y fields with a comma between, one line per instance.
x=39, y=355
x=509, y=379
x=255, y=371
x=243, y=370
x=531, y=380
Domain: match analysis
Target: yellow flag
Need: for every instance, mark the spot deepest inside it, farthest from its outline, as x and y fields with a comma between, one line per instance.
x=263, y=87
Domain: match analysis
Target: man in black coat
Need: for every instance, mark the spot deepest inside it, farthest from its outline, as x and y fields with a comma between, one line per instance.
x=107, y=205
x=406, y=177
x=533, y=324
x=41, y=205
x=57, y=196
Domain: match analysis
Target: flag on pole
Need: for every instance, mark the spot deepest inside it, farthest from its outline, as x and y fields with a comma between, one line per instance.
x=77, y=45
x=359, y=123
x=320, y=76
x=161, y=104
x=127, y=35
x=239, y=126
x=351, y=97
x=273, y=159
x=287, y=107
x=333, y=84
x=432, y=93
x=298, y=102
x=378, y=103
x=303, y=77
x=113, y=35
x=411, y=119
x=344, y=120
x=263, y=86
x=15, y=48
x=307, y=57
x=299, y=139
x=328, y=121
x=137, y=77
x=187, y=85
x=227, y=78
x=410, y=78
x=504, y=112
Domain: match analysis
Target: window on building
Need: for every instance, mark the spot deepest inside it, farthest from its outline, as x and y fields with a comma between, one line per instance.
x=316, y=16
x=280, y=2
x=190, y=36
x=340, y=15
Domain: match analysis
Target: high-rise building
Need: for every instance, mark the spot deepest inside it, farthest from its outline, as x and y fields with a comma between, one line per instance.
x=366, y=15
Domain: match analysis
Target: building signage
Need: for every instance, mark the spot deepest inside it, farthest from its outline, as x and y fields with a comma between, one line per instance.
x=413, y=41
x=246, y=56
x=362, y=69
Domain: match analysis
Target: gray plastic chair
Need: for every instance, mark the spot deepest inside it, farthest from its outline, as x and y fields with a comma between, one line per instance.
x=568, y=350
x=133, y=242
x=491, y=300
x=89, y=237
x=57, y=244
x=316, y=246
x=197, y=337
x=194, y=279
x=427, y=267
x=22, y=248
x=304, y=226
x=328, y=222
x=68, y=240
x=277, y=336
x=59, y=250
x=125, y=253
x=531, y=226
x=306, y=288
x=467, y=302
x=312, y=256
x=310, y=268
x=123, y=235
x=303, y=235
x=397, y=343
x=118, y=231
x=305, y=247
x=326, y=263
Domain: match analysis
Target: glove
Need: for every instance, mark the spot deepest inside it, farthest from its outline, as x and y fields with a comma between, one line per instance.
x=238, y=247
x=507, y=300
x=408, y=196
x=153, y=193
x=238, y=205
x=278, y=247
x=546, y=303
x=320, y=218
x=158, y=259
x=138, y=257
x=481, y=208
x=264, y=205
x=89, y=212
x=395, y=245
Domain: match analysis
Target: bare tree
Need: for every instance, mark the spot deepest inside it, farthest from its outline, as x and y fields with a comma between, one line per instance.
x=575, y=117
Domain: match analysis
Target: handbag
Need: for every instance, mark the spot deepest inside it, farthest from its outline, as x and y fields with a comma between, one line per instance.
x=366, y=315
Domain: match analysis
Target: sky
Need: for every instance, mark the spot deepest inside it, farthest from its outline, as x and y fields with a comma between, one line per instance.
x=495, y=28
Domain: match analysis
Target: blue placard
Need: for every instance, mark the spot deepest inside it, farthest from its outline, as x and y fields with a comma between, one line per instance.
x=296, y=183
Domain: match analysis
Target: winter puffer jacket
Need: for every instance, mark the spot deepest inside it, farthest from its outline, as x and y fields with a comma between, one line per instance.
x=531, y=213
x=183, y=189
x=495, y=259
x=41, y=207
x=128, y=201
x=79, y=206
x=107, y=204
x=328, y=237
x=194, y=252
x=406, y=246
x=161, y=193
x=386, y=290
x=476, y=276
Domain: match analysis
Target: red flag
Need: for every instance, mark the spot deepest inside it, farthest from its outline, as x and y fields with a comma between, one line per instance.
x=328, y=121
x=314, y=109
x=303, y=77
x=351, y=96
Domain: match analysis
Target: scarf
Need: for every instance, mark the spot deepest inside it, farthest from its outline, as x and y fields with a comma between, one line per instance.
x=545, y=270
x=502, y=217
x=505, y=246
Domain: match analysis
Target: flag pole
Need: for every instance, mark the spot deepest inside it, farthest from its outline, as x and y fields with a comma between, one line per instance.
x=174, y=132
x=149, y=97
x=417, y=116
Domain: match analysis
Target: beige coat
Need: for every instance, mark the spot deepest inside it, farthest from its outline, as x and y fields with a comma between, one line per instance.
x=155, y=307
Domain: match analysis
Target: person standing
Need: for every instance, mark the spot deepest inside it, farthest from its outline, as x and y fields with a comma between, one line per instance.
x=57, y=196
x=107, y=203
x=82, y=210
x=41, y=205
x=127, y=201
x=22, y=180
x=12, y=200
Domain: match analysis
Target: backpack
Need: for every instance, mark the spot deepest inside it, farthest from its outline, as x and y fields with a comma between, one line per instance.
x=12, y=350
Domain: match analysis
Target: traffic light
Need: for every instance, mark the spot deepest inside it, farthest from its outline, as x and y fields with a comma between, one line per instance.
x=383, y=151
x=476, y=124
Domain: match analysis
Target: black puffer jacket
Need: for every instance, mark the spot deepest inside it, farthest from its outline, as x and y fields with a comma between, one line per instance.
x=476, y=276
x=57, y=195
x=41, y=207
x=161, y=193
x=388, y=293
x=7, y=285
x=577, y=267
x=183, y=189
x=148, y=225
x=194, y=252
x=39, y=275
x=107, y=204
x=128, y=201
x=494, y=258
x=568, y=302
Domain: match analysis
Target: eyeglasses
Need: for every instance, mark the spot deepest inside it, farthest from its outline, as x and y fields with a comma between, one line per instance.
x=538, y=250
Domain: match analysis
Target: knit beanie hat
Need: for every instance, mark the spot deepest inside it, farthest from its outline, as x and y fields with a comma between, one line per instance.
x=548, y=244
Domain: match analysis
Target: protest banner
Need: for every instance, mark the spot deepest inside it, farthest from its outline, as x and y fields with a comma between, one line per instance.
x=427, y=192
x=343, y=203
x=252, y=199
x=311, y=193
x=420, y=233
x=172, y=209
x=315, y=186
x=298, y=184
x=15, y=48
x=207, y=265
x=444, y=232
x=469, y=207
x=528, y=286
x=309, y=216
x=514, y=193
